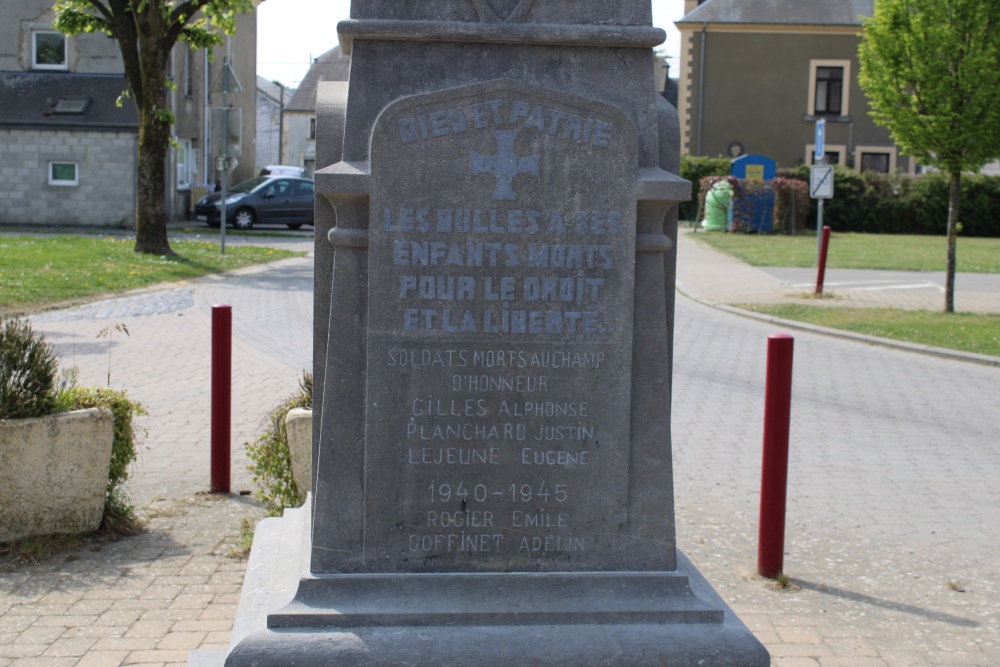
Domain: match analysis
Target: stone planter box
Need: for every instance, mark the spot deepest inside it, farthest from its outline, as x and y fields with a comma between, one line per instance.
x=54, y=473
x=298, y=426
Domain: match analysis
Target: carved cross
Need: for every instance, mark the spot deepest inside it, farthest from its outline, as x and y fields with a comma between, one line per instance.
x=505, y=164
x=489, y=15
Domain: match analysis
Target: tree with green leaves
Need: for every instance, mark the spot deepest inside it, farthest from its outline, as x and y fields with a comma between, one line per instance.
x=146, y=32
x=931, y=71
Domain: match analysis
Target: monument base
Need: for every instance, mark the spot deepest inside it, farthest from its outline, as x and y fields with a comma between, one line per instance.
x=288, y=617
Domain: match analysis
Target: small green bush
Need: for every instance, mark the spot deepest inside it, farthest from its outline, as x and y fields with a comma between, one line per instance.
x=27, y=372
x=271, y=462
x=119, y=515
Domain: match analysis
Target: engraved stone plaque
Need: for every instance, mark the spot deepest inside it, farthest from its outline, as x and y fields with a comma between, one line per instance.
x=501, y=263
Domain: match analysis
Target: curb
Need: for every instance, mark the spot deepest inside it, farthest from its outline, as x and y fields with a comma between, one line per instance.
x=929, y=350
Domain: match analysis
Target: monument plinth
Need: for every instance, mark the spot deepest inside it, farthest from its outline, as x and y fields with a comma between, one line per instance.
x=492, y=479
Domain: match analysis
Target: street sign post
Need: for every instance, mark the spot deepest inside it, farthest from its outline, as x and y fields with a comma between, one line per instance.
x=225, y=83
x=820, y=180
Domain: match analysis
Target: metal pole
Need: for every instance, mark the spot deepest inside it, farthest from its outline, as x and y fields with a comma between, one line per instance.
x=701, y=84
x=819, y=228
x=225, y=153
x=222, y=387
x=774, y=471
x=821, y=267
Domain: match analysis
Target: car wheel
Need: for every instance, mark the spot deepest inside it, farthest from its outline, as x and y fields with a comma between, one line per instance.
x=294, y=225
x=244, y=219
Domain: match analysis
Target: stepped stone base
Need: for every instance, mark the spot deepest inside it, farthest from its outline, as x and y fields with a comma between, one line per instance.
x=288, y=617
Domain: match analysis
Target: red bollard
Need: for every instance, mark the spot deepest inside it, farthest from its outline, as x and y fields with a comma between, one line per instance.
x=821, y=268
x=222, y=389
x=774, y=474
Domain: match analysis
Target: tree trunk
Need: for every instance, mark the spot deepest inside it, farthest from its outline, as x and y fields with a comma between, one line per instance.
x=954, y=197
x=154, y=142
x=151, y=210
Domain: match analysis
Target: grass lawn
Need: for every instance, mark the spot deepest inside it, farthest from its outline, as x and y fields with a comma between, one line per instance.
x=891, y=252
x=40, y=270
x=969, y=332
x=957, y=331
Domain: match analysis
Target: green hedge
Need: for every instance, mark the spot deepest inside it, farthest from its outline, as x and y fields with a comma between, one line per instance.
x=694, y=169
x=882, y=204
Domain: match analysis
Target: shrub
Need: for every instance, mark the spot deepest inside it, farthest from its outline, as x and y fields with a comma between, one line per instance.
x=789, y=202
x=889, y=204
x=27, y=372
x=271, y=462
x=695, y=169
x=119, y=515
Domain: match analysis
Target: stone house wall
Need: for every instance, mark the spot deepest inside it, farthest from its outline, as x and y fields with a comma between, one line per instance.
x=105, y=169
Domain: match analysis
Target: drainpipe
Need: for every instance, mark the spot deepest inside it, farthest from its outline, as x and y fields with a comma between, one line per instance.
x=281, y=121
x=850, y=145
x=701, y=85
x=206, y=119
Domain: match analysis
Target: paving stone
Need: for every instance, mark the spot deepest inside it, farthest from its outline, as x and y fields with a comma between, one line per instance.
x=102, y=659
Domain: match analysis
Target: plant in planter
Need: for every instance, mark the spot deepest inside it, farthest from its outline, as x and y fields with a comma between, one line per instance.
x=64, y=451
x=270, y=457
x=27, y=372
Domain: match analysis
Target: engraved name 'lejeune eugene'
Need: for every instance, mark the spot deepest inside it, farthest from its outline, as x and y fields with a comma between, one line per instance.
x=499, y=304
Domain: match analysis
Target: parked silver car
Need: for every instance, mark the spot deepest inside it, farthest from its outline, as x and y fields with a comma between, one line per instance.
x=261, y=200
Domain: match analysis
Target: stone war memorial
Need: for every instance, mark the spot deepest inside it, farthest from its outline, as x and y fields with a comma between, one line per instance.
x=495, y=249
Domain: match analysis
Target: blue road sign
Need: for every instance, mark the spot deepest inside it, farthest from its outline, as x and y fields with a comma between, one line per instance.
x=820, y=139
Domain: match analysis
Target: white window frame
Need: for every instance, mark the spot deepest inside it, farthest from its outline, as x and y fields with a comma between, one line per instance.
x=839, y=149
x=34, y=51
x=885, y=150
x=185, y=164
x=845, y=93
x=62, y=182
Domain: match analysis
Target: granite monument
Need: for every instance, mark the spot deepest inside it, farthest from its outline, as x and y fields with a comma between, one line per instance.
x=492, y=480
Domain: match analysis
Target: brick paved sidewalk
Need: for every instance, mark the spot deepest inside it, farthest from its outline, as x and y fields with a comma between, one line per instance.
x=148, y=600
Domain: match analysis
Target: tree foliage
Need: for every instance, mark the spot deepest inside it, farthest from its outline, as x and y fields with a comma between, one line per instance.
x=931, y=71
x=146, y=31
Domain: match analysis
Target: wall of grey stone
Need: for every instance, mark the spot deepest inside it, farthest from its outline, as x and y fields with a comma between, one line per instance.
x=106, y=169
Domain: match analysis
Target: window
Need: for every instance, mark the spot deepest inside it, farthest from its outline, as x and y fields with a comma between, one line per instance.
x=48, y=50
x=835, y=154
x=876, y=158
x=278, y=189
x=304, y=188
x=875, y=162
x=829, y=88
x=312, y=128
x=71, y=105
x=63, y=173
x=185, y=164
x=188, y=71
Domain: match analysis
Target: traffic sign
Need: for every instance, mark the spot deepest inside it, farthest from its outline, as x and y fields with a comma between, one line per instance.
x=821, y=181
x=226, y=163
x=820, y=142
